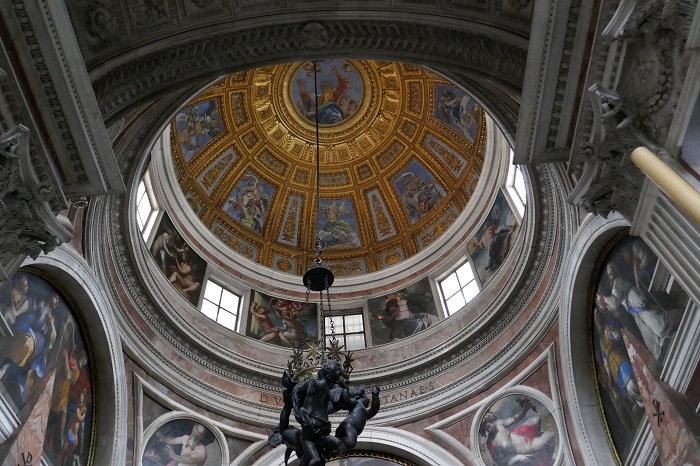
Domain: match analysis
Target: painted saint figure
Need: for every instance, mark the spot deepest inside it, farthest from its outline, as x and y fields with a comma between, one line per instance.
x=522, y=444
x=192, y=451
x=330, y=110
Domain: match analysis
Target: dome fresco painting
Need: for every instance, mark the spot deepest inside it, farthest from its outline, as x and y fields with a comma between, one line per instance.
x=398, y=146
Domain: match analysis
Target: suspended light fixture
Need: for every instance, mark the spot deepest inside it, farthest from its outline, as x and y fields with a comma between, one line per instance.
x=316, y=382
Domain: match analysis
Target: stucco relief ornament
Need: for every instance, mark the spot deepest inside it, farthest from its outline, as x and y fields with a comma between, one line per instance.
x=314, y=36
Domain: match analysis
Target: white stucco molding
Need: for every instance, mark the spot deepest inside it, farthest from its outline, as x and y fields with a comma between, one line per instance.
x=381, y=440
x=71, y=270
x=579, y=385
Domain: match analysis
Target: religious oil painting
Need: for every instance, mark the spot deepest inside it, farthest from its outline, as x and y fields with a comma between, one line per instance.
x=45, y=370
x=280, y=321
x=183, y=267
x=197, y=126
x=490, y=246
x=249, y=202
x=403, y=313
x=338, y=95
x=518, y=429
x=338, y=224
x=458, y=110
x=630, y=293
x=418, y=190
x=182, y=441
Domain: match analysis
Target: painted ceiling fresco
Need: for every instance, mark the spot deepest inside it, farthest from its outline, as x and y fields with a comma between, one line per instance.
x=398, y=147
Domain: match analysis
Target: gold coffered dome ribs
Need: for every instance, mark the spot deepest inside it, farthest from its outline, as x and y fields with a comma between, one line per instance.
x=398, y=146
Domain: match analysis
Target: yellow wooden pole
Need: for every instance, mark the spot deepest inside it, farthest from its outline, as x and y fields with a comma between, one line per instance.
x=680, y=191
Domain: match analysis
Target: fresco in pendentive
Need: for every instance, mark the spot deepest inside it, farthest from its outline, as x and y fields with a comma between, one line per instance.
x=629, y=295
x=338, y=224
x=518, y=429
x=279, y=321
x=249, y=202
x=340, y=91
x=418, y=190
x=490, y=246
x=365, y=461
x=175, y=258
x=403, y=313
x=43, y=351
x=197, y=126
x=454, y=107
x=182, y=441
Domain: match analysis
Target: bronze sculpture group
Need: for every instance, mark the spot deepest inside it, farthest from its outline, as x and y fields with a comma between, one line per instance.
x=312, y=401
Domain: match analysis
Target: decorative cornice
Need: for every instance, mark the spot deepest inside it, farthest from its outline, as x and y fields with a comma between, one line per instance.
x=191, y=61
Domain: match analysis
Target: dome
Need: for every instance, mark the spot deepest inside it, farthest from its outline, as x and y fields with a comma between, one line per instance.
x=400, y=151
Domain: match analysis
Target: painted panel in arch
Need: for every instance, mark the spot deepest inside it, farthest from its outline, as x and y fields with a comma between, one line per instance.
x=183, y=267
x=454, y=107
x=419, y=191
x=630, y=293
x=279, y=321
x=197, y=126
x=40, y=336
x=490, y=246
x=402, y=313
x=249, y=202
x=339, y=224
x=340, y=91
x=518, y=429
x=185, y=439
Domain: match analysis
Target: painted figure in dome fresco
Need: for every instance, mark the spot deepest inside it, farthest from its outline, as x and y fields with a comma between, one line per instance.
x=419, y=196
x=495, y=240
x=249, y=202
x=333, y=101
x=337, y=231
x=401, y=320
x=522, y=444
x=197, y=126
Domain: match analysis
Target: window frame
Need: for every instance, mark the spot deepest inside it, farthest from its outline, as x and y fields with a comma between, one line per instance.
x=341, y=314
x=149, y=223
x=453, y=272
x=224, y=288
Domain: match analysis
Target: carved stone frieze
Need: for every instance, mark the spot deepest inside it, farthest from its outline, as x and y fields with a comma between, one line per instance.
x=446, y=48
x=28, y=226
x=608, y=180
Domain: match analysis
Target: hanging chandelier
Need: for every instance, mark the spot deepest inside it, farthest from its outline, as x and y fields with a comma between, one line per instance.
x=317, y=380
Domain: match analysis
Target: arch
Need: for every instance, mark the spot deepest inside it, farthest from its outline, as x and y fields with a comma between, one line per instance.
x=394, y=441
x=70, y=269
x=577, y=370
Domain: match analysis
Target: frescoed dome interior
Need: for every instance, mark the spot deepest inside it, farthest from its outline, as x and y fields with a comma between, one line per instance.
x=401, y=150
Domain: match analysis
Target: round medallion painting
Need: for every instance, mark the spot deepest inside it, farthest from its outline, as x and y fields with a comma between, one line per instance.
x=182, y=441
x=339, y=91
x=518, y=429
